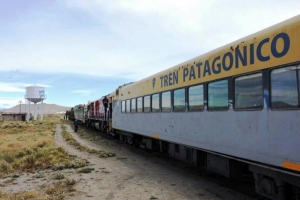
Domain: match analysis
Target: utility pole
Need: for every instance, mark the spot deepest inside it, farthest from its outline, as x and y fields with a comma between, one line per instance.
x=20, y=102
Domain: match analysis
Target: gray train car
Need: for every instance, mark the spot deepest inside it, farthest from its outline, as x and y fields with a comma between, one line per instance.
x=233, y=110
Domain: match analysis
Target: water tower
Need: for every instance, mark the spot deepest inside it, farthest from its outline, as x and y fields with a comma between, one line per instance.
x=35, y=94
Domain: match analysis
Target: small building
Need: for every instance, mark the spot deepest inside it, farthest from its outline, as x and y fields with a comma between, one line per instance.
x=13, y=116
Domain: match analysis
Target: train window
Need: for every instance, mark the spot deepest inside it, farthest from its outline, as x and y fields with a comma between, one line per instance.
x=218, y=95
x=128, y=105
x=166, y=101
x=196, y=98
x=139, y=104
x=133, y=105
x=123, y=106
x=146, y=103
x=179, y=100
x=248, y=92
x=285, y=87
x=155, y=103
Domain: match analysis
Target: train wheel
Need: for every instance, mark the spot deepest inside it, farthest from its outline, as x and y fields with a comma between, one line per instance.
x=106, y=129
x=129, y=140
x=121, y=137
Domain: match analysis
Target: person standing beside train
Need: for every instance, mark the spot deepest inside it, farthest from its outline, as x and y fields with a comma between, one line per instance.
x=75, y=125
x=105, y=103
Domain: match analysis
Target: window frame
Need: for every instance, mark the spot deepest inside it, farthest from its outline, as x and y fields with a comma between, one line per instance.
x=173, y=100
x=159, y=108
x=128, y=105
x=161, y=105
x=262, y=92
x=297, y=66
x=203, y=98
x=139, y=110
x=148, y=96
x=133, y=110
x=123, y=106
x=228, y=98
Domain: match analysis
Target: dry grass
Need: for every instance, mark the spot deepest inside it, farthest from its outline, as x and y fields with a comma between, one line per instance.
x=58, y=191
x=29, y=147
x=22, y=195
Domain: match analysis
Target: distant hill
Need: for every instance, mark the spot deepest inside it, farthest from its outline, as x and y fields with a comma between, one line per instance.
x=48, y=108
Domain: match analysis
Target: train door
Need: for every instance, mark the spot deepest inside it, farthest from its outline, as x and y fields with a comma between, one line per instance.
x=110, y=100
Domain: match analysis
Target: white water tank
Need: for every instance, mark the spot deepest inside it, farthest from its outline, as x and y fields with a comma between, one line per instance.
x=35, y=93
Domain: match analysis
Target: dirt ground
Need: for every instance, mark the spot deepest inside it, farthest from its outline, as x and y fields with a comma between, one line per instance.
x=131, y=175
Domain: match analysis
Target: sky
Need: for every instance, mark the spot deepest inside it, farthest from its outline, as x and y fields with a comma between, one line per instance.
x=80, y=50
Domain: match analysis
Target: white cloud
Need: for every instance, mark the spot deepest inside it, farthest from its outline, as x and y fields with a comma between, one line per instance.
x=9, y=102
x=135, y=38
x=17, y=87
x=11, y=87
x=83, y=92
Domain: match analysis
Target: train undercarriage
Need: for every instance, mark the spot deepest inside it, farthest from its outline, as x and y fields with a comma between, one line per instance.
x=97, y=124
x=268, y=181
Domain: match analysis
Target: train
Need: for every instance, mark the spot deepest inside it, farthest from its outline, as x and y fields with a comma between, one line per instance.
x=234, y=110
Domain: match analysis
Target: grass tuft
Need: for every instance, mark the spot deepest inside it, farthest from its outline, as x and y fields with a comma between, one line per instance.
x=59, y=176
x=40, y=175
x=86, y=170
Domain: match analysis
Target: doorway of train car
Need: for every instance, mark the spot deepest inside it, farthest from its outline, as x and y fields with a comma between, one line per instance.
x=109, y=121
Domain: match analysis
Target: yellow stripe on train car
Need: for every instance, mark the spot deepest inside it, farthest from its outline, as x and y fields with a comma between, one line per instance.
x=290, y=165
x=155, y=136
